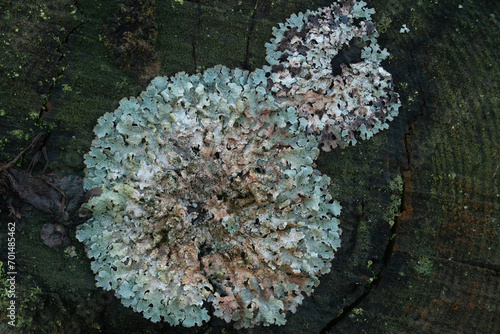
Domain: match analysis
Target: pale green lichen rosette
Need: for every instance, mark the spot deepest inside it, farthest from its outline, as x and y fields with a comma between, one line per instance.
x=209, y=196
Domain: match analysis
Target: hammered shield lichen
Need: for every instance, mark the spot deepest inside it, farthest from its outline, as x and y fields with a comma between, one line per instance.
x=208, y=197
x=326, y=63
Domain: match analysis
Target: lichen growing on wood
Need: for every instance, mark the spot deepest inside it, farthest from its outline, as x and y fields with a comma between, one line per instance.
x=209, y=192
x=208, y=197
x=326, y=63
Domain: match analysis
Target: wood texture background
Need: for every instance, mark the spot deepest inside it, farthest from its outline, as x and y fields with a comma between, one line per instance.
x=433, y=268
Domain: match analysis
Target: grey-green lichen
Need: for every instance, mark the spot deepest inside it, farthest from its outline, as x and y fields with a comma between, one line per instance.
x=209, y=192
x=326, y=64
x=209, y=195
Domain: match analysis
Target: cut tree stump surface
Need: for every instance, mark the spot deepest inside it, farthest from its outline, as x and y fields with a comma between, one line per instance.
x=420, y=201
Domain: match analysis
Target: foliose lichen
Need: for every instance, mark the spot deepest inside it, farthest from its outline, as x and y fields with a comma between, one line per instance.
x=210, y=199
x=326, y=64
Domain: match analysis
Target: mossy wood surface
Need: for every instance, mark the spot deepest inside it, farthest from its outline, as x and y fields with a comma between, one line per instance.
x=420, y=202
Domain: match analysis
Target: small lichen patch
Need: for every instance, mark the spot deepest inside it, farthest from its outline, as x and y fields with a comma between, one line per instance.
x=326, y=64
x=423, y=266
